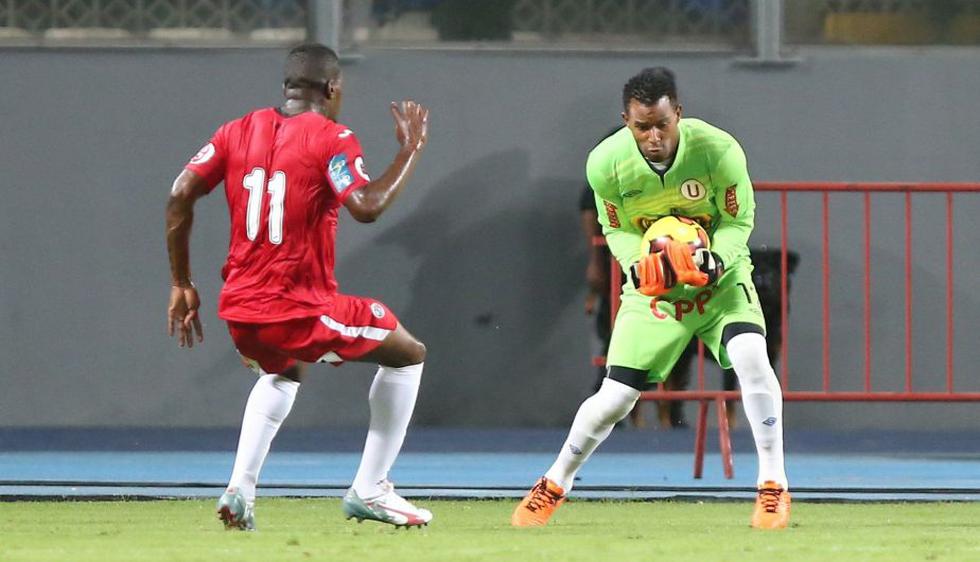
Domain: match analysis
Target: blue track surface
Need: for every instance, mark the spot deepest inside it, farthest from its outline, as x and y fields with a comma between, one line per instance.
x=482, y=463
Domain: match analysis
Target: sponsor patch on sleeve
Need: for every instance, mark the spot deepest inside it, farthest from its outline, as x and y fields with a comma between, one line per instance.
x=339, y=172
x=612, y=214
x=731, y=201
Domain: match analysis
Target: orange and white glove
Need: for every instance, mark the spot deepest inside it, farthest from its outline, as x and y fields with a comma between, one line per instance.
x=652, y=276
x=710, y=264
x=656, y=274
x=678, y=257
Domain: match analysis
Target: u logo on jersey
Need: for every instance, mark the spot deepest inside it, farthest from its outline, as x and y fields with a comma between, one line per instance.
x=693, y=190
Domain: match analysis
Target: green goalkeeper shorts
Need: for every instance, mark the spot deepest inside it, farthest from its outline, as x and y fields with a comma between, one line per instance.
x=651, y=333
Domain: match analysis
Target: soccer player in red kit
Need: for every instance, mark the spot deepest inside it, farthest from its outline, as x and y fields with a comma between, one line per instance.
x=287, y=171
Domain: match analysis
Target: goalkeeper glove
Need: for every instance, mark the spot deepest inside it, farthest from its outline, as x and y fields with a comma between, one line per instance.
x=677, y=256
x=652, y=276
x=710, y=264
x=656, y=274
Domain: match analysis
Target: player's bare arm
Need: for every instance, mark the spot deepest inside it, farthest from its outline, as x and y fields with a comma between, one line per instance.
x=182, y=313
x=412, y=131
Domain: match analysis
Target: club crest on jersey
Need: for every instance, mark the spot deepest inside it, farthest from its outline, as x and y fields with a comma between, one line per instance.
x=339, y=172
x=377, y=310
x=359, y=166
x=693, y=190
x=203, y=155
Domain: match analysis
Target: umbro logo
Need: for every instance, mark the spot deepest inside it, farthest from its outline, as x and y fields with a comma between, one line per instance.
x=770, y=421
x=575, y=450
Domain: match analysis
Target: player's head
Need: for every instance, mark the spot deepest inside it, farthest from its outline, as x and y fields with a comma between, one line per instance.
x=651, y=111
x=312, y=72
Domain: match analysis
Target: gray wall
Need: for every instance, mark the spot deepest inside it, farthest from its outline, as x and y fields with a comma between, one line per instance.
x=481, y=256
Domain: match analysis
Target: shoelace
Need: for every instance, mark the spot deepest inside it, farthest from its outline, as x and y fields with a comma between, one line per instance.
x=541, y=496
x=770, y=499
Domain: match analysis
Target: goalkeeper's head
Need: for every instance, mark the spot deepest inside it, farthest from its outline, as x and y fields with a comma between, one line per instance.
x=651, y=111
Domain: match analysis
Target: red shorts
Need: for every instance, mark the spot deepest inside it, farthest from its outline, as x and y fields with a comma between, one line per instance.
x=354, y=327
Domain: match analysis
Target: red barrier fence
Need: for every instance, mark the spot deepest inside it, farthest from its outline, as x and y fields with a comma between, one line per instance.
x=868, y=394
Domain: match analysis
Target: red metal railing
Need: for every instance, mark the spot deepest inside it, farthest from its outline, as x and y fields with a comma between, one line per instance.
x=868, y=394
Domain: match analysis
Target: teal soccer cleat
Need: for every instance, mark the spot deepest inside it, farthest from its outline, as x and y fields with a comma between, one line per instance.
x=234, y=512
x=388, y=507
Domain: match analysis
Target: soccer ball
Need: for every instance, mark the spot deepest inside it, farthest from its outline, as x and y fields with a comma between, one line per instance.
x=679, y=229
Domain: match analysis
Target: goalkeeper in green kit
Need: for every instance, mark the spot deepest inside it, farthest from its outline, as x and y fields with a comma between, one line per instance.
x=658, y=165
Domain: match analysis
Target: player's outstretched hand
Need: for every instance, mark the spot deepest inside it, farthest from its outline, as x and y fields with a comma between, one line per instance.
x=411, y=124
x=182, y=316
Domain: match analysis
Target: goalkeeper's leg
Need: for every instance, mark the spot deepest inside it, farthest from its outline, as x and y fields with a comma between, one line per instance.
x=594, y=421
x=762, y=399
x=763, y=402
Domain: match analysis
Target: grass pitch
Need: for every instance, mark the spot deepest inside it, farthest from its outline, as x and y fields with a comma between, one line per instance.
x=314, y=529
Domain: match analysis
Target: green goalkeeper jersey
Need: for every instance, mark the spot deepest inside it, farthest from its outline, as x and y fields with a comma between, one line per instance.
x=707, y=181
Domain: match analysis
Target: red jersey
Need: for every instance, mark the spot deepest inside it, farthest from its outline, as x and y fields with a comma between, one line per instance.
x=285, y=178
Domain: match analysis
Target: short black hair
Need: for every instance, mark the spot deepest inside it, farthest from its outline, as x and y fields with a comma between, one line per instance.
x=310, y=65
x=649, y=86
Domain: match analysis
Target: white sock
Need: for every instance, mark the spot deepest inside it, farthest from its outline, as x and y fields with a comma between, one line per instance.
x=392, y=400
x=763, y=402
x=594, y=422
x=268, y=405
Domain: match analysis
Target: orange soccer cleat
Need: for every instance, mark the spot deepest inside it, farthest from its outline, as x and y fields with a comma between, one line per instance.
x=538, y=505
x=771, y=507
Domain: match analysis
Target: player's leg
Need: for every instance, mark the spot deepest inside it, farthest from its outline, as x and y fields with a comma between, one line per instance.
x=762, y=397
x=392, y=397
x=631, y=356
x=729, y=383
x=400, y=358
x=593, y=423
x=399, y=349
x=763, y=403
x=268, y=405
x=671, y=412
x=739, y=342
